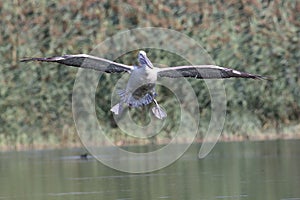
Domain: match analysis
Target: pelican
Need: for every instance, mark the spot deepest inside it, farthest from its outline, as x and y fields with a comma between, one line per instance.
x=140, y=88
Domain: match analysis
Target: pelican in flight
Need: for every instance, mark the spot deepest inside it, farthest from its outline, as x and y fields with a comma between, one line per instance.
x=140, y=89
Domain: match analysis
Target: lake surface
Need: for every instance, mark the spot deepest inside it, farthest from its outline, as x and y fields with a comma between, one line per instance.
x=234, y=170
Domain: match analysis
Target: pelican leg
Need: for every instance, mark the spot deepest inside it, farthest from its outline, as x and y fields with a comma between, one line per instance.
x=158, y=111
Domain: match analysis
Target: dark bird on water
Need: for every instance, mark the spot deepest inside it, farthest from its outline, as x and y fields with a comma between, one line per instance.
x=140, y=88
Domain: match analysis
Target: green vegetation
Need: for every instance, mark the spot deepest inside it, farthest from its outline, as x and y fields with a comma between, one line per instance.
x=256, y=36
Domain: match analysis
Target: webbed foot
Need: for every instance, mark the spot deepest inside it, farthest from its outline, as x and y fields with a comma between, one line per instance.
x=158, y=111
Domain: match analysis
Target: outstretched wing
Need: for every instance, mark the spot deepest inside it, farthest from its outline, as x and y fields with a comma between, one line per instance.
x=204, y=72
x=86, y=61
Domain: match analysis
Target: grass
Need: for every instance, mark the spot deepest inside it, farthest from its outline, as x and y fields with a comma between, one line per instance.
x=256, y=36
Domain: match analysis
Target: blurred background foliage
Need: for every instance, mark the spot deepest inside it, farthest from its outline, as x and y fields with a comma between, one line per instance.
x=257, y=36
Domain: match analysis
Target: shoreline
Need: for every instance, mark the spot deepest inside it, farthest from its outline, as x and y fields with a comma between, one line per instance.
x=122, y=143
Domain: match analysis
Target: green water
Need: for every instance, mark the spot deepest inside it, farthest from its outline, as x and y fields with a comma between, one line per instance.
x=245, y=170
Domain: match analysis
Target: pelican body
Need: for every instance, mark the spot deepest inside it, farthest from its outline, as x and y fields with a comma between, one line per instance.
x=140, y=89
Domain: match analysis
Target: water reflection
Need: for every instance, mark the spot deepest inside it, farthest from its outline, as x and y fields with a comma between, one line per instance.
x=245, y=170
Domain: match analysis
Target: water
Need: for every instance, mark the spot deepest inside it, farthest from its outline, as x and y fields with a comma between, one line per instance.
x=245, y=170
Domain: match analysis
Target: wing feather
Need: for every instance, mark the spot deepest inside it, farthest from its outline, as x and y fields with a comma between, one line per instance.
x=86, y=61
x=204, y=72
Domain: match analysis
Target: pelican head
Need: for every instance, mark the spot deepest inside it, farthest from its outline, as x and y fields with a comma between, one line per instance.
x=144, y=60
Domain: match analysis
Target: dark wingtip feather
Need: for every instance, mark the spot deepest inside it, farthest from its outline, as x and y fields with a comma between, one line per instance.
x=49, y=59
x=256, y=76
x=238, y=74
x=267, y=78
x=28, y=59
